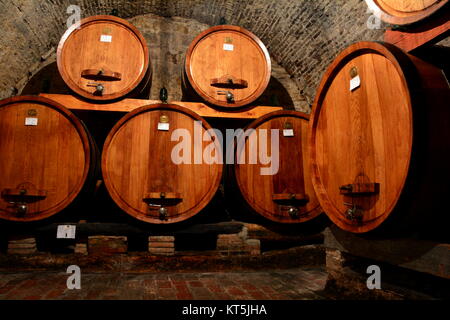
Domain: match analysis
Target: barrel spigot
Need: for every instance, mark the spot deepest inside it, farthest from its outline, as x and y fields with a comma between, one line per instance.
x=229, y=95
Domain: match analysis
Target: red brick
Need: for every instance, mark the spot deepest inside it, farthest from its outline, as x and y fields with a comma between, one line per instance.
x=163, y=284
x=257, y=295
x=161, y=245
x=181, y=288
x=161, y=239
x=195, y=284
x=222, y=296
x=235, y=291
x=184, y=296
x=214, y=288
x=166, y=293
x=249, y=287
x=54, y=294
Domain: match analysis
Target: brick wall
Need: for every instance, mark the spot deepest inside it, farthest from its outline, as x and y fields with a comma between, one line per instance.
x=303, y=36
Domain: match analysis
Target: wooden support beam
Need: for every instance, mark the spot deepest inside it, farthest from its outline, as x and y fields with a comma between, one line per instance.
x=429, y=32
x=127, y=105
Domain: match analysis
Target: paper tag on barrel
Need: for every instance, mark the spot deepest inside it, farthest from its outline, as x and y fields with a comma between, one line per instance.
x=66, y=232
x=355, y=83
x=31, y=121
x=105, y=38
x=228, y=47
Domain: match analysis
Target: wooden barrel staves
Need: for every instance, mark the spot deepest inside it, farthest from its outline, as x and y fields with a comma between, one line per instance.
x=227, y=66
x=104, y=58
x=47, y=158
x=379, y=140
x=283, y=194
x=402, y=12
x=154, y=164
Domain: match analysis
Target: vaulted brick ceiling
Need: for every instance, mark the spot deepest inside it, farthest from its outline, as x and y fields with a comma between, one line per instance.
x=303, y=36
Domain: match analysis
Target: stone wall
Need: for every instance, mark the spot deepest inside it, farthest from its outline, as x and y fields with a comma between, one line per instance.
x=302, y=36
x=168, y=40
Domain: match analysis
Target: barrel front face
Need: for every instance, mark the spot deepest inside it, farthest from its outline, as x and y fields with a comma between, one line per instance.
x=285, y=193
x=45, y=158
x=228, y=66
x=153, y=178
x=403, y=12
x=105, y=59
x=361, y=137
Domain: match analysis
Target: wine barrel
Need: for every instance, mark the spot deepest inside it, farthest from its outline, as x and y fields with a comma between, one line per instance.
x=226, y=66
x=144, y=170
x=286, y=194
x=402, y=12
x=379, y=140
x=104, y=58
x=48, y=158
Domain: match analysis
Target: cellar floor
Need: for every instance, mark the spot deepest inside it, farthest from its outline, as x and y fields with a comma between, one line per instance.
x=291, y=284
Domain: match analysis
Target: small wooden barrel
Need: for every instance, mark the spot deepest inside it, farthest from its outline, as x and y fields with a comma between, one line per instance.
x=287, y=195
x=47, y=158
x=403, y=12
x=144, y=169
x=106, y=58
x=227, y=66
x=379, y=140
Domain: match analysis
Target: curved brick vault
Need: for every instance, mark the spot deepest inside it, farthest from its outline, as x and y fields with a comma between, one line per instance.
x=302, y=36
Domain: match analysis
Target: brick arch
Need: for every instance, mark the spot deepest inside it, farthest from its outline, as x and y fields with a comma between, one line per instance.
x=303, y=36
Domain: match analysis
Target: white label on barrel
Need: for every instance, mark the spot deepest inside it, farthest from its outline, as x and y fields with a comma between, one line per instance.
x=105, y=38
x=355, y=83
x=228, y=47
x=288, y=132
x=66, y=232
x=31, y=121
x=163, y=126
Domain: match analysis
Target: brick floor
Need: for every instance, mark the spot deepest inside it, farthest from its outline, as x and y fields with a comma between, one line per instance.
x=293, y=284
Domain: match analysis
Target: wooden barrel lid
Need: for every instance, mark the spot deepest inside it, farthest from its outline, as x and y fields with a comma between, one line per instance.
x=287, y=196
x=228, y=59
x=361, y=135
x=140, y=174
x=106, y=51
x=403, y=12
x=45, y=158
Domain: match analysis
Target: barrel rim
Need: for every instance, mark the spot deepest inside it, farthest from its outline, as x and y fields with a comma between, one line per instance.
x=312, y=213
x=105, y=18
x=416, y=16
x=193, y=84
x=402, y=63
x=114, y=194
x=86, y=147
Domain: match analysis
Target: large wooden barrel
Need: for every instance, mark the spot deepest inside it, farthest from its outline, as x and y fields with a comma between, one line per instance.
x=104, y=58
x=380, y=151
x=227, y=66
x=47, y=158
x=144, y=173
x=401, y=12
x=284, y=194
